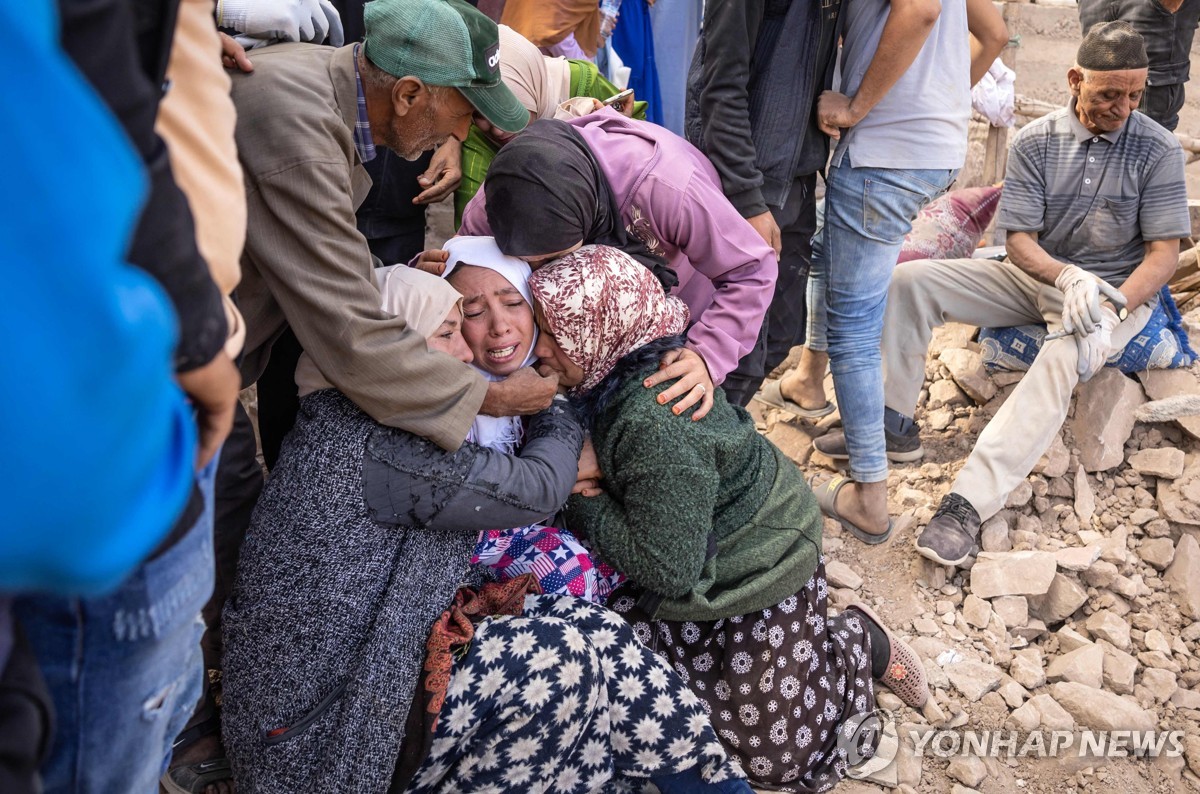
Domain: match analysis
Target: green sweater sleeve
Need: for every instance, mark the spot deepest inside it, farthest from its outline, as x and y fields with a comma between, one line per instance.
x=654, y=520
x=477, y=155
x=586, y=80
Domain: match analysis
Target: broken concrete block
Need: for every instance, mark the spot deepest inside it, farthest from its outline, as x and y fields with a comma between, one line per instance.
x=1055, y=461
x=1166, y=462
x=1103, y=418
x=1157, y=552
x=1083, y=666
x=1106, y=625
x=839, y=574
x=1100, y=710
x=1077, y=558
x=1013, y=610
x=1179, y=500
x=968, y=371
x=1183, y=577
x=1061, y=600
x=973, y=679
x=1162, y=384
x=1012, y=573
x=1085, y=499
x=976, y=611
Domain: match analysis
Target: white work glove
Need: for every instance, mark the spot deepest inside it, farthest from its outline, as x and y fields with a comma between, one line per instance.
x=283, y=20
x=1096, y=347
x=1081, y=299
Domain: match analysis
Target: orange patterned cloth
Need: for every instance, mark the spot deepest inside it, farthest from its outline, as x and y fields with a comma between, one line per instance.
x=548, y=22
x=452, y=633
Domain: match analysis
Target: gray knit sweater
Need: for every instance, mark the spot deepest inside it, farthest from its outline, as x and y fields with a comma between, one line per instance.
x=358, y=543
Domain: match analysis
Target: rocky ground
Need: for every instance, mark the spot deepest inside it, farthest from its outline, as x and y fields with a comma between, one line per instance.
x=1082, y=609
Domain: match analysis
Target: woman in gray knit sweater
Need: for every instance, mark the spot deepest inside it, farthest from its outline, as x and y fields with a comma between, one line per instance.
x=361, y=539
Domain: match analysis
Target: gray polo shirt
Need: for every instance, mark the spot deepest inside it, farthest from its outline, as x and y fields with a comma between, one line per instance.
x=1095, y=200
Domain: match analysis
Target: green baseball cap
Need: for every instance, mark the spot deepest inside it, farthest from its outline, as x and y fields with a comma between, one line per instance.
x=445, y=43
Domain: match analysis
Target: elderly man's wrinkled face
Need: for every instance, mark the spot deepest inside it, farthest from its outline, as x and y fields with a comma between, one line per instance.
x=424, y=118
x=1104, y=100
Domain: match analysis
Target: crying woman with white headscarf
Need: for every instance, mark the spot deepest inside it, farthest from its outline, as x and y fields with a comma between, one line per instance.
x=499, y=328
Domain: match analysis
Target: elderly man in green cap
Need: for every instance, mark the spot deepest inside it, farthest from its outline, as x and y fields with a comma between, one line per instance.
x=309, y=116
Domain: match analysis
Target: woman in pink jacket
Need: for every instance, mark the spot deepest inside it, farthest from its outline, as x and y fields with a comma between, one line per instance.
x=604, y=178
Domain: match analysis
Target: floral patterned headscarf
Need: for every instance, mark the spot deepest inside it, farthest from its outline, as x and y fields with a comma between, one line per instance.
x=601, y=305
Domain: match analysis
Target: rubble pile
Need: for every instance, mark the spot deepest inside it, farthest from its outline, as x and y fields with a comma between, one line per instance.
x=1082, y=607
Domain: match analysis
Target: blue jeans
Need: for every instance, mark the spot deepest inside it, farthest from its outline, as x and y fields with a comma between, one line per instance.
x=867, y=213
x=124, y=669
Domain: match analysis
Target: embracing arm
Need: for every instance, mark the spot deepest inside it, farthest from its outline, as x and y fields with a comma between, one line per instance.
x=409, y=481
x=723, y=248
x=657, y=532
x=317, y=265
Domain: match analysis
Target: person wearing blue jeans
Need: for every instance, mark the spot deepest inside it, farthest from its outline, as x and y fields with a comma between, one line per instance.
x=901, y=120
x=124, y=669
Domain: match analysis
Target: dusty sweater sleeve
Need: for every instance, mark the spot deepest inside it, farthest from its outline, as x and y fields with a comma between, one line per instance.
x=410, y=481
x=730, y=32
x=318, y=267
x=653, y=521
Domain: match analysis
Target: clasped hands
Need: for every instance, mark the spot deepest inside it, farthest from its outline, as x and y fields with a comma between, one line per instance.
x=1084, y=316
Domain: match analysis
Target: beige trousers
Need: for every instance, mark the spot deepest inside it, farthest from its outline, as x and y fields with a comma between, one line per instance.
x=927, y=293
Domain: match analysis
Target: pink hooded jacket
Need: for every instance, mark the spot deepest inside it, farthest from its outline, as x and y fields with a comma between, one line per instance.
x=670, y=197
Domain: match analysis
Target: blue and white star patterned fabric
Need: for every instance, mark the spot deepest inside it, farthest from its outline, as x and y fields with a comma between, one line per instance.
x=565, y=699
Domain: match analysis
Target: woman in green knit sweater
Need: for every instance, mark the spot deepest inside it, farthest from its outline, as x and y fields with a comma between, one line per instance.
x=541, y=83
x=718, y=533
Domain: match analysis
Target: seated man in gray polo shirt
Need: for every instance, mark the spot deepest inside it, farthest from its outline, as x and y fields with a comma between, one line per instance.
x=1094, y=200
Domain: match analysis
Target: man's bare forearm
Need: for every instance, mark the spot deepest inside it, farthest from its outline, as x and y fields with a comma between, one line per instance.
x=989, y=36
x=904, y=34
x=1025, y=253
x=1162, y=257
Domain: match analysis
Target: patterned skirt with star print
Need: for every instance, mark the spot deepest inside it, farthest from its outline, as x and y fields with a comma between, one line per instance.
x=565, y=699
x=777, y=684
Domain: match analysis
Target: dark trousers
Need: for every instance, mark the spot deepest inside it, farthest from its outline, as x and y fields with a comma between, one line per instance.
x=783, y=327
x=1162, y=103
x=26, y=714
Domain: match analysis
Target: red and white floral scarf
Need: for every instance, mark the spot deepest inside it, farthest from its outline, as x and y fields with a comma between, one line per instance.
x=602, y=304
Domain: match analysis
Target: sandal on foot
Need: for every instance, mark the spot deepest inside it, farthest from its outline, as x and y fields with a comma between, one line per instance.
x=772, y=394
x=826, y=494
x=905, y=675
x=194, y=778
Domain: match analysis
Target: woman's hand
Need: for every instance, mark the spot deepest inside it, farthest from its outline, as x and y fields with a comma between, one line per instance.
x=432, y=261
x=625, y=106
x=694, y=385
x=587, y=481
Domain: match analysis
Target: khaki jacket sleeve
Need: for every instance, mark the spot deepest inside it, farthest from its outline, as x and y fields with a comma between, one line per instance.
x=317, y=266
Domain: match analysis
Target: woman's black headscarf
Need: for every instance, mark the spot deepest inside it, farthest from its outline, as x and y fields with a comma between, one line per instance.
x=546, y=192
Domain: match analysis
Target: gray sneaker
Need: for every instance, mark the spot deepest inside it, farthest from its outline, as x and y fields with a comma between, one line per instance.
x=900, y=448
x=949, y=537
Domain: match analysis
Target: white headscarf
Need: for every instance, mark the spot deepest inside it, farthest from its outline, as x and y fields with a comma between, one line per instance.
x=423, y=300
x=494, y=432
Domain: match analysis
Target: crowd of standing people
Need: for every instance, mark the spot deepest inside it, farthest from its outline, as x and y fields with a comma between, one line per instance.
x=502, y=522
